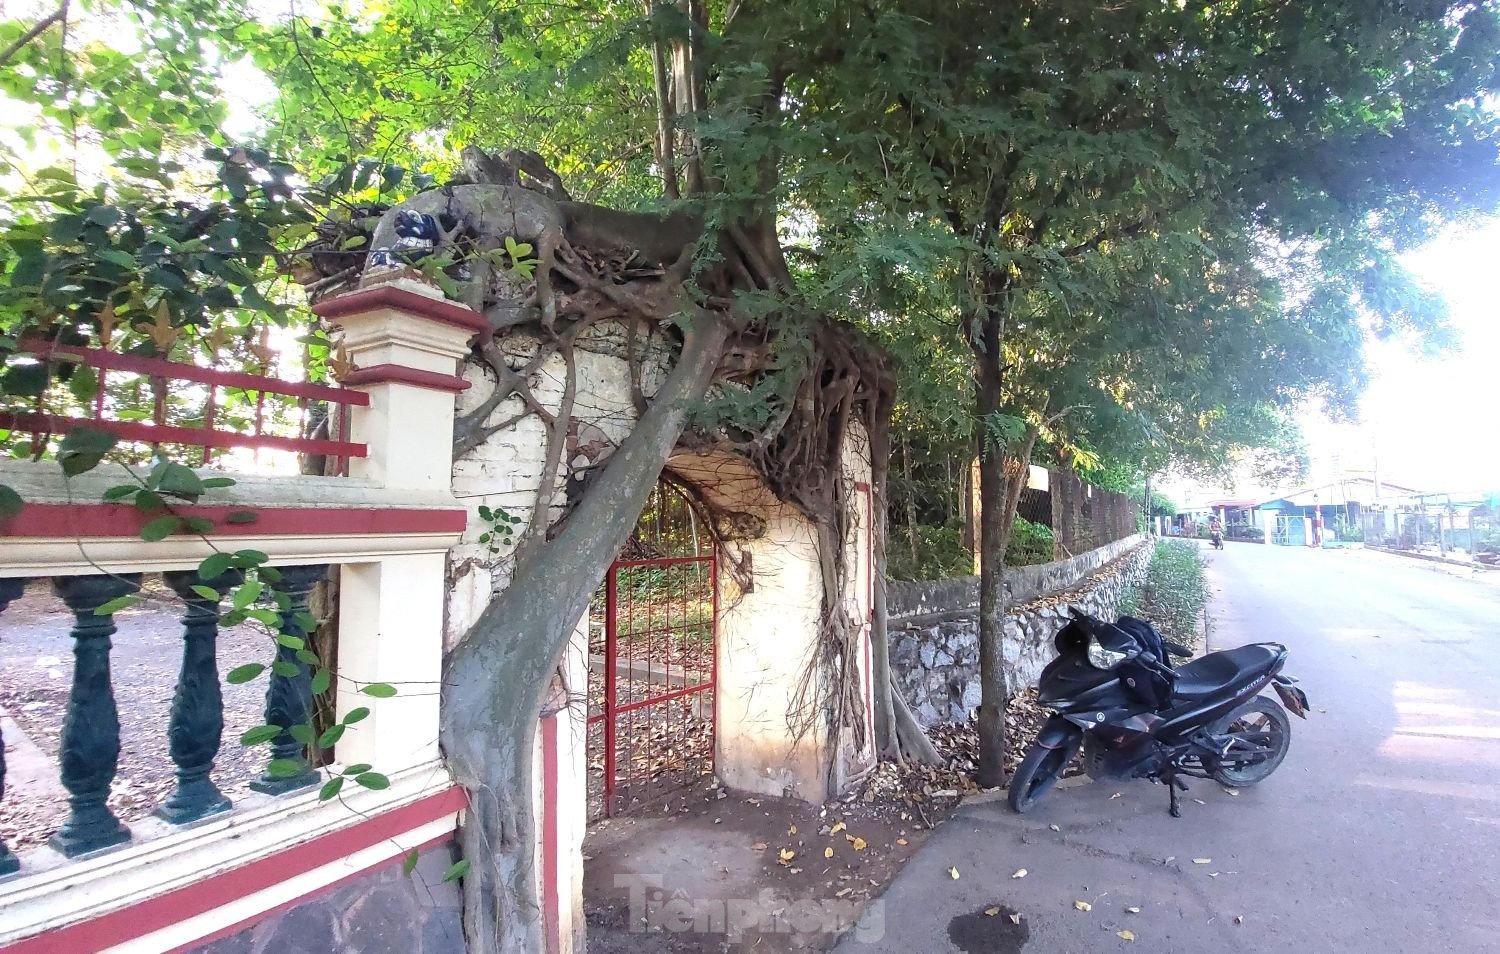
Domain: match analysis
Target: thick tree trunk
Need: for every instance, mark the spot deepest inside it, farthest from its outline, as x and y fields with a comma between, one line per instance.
x=991, y=554
x=499, y=674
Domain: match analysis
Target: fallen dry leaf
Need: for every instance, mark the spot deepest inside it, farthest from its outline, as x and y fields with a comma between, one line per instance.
x=1203, y=861
x=953, y=873
x=787, y=854
x=858, y=843
x=901, y=841
x=1132, y=910
x=792, y=830
x=1126, y=935
x=1054, y=828
x=827, y=852
x=991, y=912
x=1020, y=873
x=1015, y=919
x=758, y=846
x=1083, y=906
x=837, y=828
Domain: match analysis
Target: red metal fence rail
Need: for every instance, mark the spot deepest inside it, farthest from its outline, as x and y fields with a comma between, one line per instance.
x=208, y=438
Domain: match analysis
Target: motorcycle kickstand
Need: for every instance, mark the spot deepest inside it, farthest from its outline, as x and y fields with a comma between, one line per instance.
x=1174, y=786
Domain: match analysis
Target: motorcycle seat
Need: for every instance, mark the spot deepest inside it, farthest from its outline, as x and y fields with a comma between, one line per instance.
x=1226, y=670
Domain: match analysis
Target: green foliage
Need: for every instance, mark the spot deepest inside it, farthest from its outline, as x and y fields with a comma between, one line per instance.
x=500, y=527
x=1030, y=543
x=1175, y=592
x=941, y=552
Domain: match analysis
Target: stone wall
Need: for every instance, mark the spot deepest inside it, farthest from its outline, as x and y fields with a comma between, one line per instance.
x=381, y=910
x=934, y=628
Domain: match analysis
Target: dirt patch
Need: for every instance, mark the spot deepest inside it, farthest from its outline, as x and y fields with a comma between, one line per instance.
x=703, y=870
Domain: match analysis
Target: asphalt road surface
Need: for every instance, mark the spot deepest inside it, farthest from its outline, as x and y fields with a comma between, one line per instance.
x=1380, y=832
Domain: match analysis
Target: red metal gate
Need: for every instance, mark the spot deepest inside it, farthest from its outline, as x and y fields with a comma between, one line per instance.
x=652, y=666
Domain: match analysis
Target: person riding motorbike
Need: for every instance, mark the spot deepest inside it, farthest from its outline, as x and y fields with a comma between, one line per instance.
x=1216, y=533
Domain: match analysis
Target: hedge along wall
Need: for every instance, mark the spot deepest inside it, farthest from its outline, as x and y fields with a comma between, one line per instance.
x=934, y=625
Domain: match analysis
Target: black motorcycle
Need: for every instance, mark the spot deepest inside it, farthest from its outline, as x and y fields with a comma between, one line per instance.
x=1116, y=695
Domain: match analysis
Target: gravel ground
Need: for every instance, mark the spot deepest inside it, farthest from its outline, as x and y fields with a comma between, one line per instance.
x=36, y=672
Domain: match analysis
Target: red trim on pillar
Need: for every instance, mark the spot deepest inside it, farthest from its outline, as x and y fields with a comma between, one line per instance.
x=551, y=899
x=170, y=908
x=383, y=373
x=45, y=520
x=392, y=296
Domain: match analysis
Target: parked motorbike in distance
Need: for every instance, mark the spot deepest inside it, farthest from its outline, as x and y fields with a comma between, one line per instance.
x=1115, y=694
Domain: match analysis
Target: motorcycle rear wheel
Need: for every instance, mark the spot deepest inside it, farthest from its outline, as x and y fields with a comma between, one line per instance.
x=1037, y=773
x=1260, y=728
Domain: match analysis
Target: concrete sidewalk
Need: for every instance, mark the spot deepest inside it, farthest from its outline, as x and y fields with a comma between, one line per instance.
x=1380, y=832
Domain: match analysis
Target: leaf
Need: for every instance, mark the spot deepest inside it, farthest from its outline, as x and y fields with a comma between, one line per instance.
x=199, y=525
x=1020, y=873
x=1126, y=935
x=115, y=605
x=321, y=681
x=379, y=690
x=953, y=873
x=991, y=912
x=287, y=670
x=792, y=830
x=1083, y=906
x=373, y=780
x=290, y=642
x=356, y=715
x=410, y=863
x=858, y=843
x=247, y=594
x=214, y=566
x=259, y=734
x=1054, y=828
x=84, y=383
x=243, y=674
x=302, y=732
x=213, y=483
x=331, y=788
x=161, y=528
x=837, y=828
x=284, y=768
x=10, y=502
x=207, y=592
x=82, y=448
x=1015, y=919
x=786, y=854
x=120, y=492
x=264, y=616
x=456, y=871
x=307, y=656
x=828, y=852
x=330, y=736
x=356, y=769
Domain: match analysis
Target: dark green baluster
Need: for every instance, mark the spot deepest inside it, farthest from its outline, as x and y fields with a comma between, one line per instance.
x=91, y=729
x=289, y=698
x=10, y=589
x=197, y=723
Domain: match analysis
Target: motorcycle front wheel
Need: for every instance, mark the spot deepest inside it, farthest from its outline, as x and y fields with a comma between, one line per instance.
x=1037, y=773
x=1259, y=734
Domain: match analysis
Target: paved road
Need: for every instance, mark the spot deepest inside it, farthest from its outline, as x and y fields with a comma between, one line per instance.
x=1380, y=832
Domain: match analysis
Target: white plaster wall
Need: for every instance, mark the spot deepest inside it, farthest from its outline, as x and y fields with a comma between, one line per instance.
x=766, y=637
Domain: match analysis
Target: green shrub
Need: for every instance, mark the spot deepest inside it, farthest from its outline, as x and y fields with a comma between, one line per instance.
x=941, y=553
x=1175, y=591
x=1030, y=543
